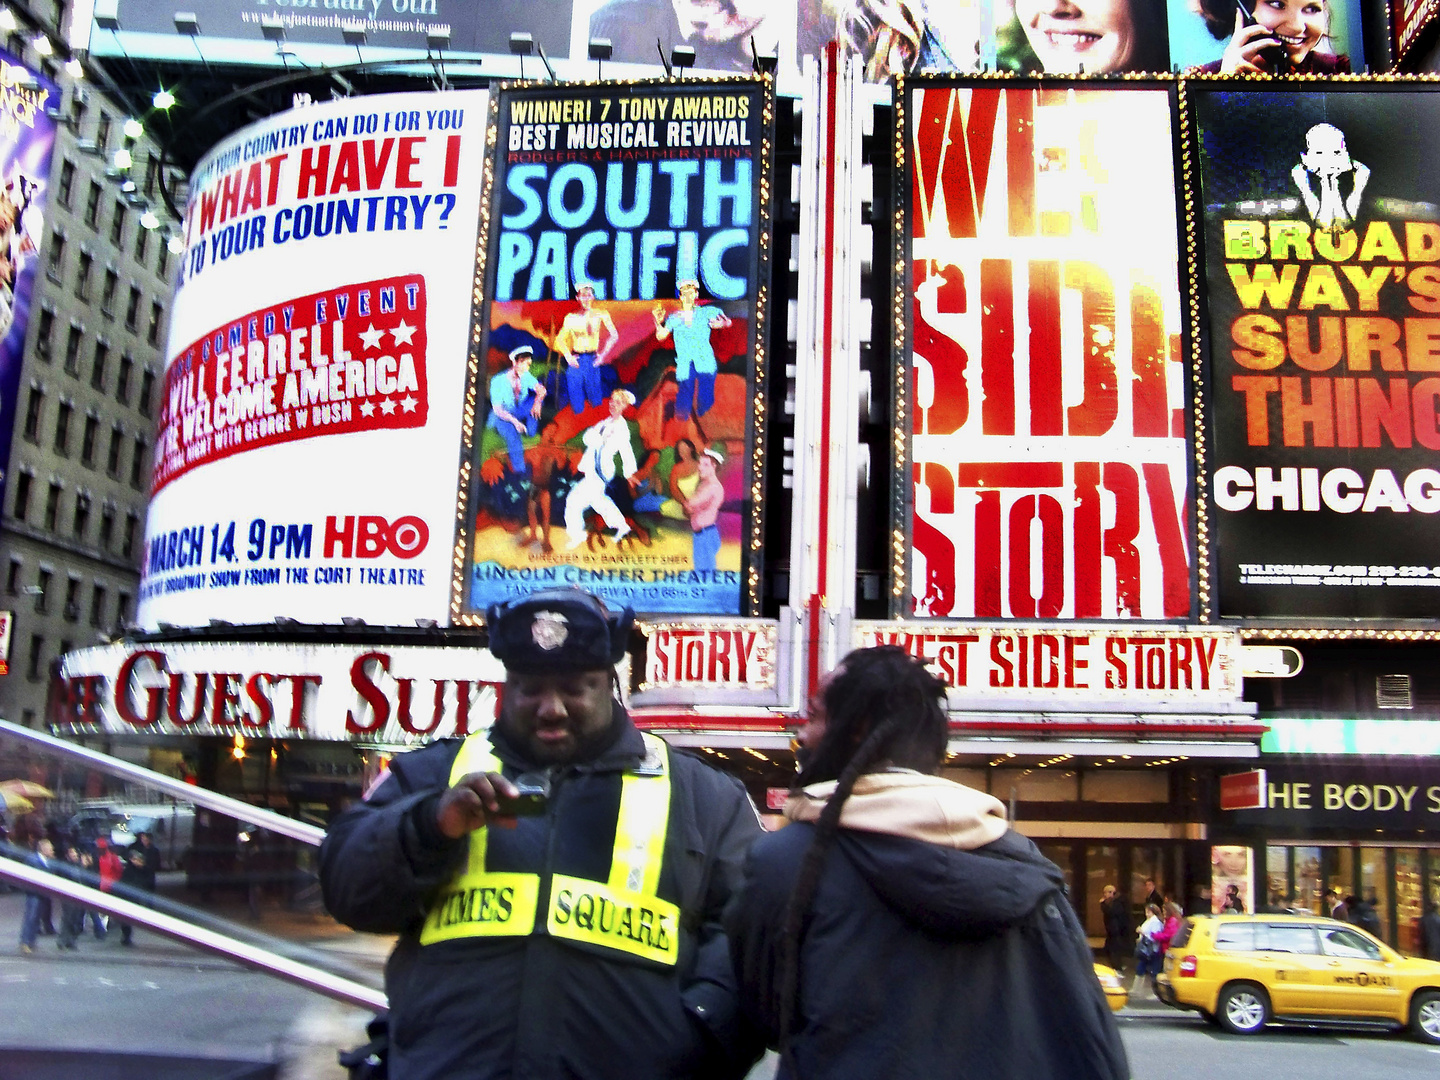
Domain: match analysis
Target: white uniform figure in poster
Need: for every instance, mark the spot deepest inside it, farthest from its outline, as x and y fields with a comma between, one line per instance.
x=603, y=442
x=1327, y=159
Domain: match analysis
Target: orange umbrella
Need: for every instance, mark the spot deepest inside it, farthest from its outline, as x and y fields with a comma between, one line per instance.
x=27, y=789
x=16, y=804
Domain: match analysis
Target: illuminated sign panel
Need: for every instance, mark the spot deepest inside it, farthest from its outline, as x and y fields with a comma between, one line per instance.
x=616, y=440
x=1048, y=449
x=1321, y=254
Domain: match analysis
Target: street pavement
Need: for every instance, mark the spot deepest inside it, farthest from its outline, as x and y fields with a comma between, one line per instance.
x=163, y=998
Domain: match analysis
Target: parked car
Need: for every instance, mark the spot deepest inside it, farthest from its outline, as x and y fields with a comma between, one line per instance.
x=1243, y=971
x=171, y=829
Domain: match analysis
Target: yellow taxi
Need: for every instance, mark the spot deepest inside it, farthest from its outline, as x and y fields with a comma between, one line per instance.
x=1243, y=971
x=1114, y=986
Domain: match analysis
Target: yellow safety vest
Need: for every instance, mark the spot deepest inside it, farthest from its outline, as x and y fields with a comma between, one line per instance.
x=623, y=913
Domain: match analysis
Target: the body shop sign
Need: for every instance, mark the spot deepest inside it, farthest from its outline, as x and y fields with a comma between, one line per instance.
x=1356, y=797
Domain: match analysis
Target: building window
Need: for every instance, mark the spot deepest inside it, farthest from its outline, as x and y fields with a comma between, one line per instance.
x=52, y=505
x=107, y=527
x=37, y=649
x=82, y=515
x=162, y=265
x=72, y=600
x=122, y=609
x=122, y=380
x=92, y=204
x=132, y=307
x=152, y=332
x=117, y=223
x=147, y=390
x=127, y=542
x=137, y=463
x=82, y=275
x=107, y=294
x=12, y=579
x=112, y=461
x=44, y=331
x=102, y=133
x=57, y=255
x=72, y=349
x=87, y=441
x=62, y=428
x=22, y=494
x=152, y=169
x=97, y=369
x=67, y=183
x=97, y=604
x=42, y=596
x=33, y=406
x=142, y=245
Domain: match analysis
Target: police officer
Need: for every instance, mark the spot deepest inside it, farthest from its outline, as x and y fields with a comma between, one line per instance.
x=557, y=881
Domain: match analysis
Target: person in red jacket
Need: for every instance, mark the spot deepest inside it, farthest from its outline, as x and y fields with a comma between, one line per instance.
x=1162, y=939
x=109, y=864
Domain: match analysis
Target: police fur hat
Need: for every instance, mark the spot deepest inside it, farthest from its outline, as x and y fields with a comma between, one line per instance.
x=561, y=629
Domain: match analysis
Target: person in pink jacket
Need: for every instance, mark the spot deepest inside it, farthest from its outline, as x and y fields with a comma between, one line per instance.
x=1164, y=936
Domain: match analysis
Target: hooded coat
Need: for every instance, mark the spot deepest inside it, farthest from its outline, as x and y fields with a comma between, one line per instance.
x=939, y=943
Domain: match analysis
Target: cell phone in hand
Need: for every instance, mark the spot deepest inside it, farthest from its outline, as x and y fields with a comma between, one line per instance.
x=531, y=798
x=1276, y=59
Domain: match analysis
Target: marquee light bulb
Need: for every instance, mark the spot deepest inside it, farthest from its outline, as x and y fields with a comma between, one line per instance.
x=176, y=245
x=148, y=220
x=123, y=160
x=7, y=20
x=42, y=45
x=133, y=128
x=163, y=99
x=74, y=68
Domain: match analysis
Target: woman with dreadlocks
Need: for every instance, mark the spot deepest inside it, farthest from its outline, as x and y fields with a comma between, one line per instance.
x=898, y=927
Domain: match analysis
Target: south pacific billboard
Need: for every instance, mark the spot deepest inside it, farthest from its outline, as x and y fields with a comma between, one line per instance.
x=1048, y=450
x=311, y=416
x=27, y=138
x=1321, y=224
x=620, y=348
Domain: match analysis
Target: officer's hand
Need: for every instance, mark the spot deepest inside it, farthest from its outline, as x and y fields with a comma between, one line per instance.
x=472, y=803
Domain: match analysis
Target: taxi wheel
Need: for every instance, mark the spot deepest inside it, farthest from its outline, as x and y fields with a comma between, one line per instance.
x=1425, y=1017
x=1243, y=1009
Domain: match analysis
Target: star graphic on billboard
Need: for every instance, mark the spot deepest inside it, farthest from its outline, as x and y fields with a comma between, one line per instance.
x=387, y=406
x=408, y=403
x=367, y=409
x=404, y=332
x=372, y=337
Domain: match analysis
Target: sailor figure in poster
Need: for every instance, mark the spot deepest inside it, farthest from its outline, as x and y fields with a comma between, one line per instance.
x=603, y=442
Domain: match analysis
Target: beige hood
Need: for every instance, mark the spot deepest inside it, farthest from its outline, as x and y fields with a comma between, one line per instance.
x=912, y=805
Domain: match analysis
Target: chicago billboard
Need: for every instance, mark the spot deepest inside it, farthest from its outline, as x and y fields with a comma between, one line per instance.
x=616, y=442
x=1047, y=455
x=310, y=424
x=1322, y=257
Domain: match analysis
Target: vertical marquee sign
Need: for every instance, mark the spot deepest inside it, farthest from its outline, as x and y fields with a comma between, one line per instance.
x=614, y=436
x=1045, y=401
x=1322, y=256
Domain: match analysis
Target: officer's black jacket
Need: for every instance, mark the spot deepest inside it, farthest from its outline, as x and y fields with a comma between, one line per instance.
x=920, y=961
x=539, y=1007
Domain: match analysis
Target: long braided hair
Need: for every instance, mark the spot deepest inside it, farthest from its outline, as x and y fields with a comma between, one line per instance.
x=881, y=707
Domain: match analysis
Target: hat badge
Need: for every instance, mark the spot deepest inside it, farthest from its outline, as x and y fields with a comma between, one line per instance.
x=549, y=630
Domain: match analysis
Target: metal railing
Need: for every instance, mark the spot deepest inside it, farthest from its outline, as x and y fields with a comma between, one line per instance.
x=33, y=879
x=210, y=800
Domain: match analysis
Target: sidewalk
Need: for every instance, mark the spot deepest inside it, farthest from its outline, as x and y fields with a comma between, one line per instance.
x=302, y=1047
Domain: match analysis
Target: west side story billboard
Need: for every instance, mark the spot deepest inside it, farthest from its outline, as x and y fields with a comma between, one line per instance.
x=620, y=348
x=27, y=137
x=310, y=423
x=1048, y=436
x=1321, y=222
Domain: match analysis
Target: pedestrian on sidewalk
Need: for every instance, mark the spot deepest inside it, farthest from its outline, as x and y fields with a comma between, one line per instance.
x=1148, y=956
x=137, y=879
x=1430, y=931
x=43, y=858
x=1119, y=937
x=72, y=912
